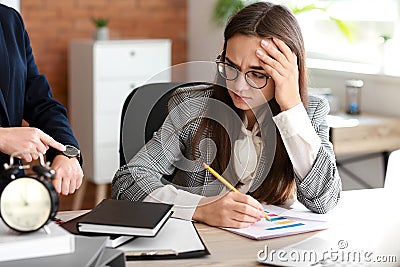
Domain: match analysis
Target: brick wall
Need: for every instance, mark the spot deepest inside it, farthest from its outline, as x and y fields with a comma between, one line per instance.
x=52, y=23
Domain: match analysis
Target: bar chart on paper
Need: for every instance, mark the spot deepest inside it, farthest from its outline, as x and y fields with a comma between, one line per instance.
x=280, y=225
x=279, y=222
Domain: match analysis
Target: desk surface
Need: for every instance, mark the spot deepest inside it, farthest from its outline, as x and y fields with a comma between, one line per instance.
x=365, y=133
x=367, y=220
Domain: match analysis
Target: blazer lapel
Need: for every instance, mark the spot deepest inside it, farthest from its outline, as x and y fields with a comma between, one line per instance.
x=4, y=78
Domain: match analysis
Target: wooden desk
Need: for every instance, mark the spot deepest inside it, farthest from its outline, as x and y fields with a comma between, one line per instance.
x=367, y=219
x=365, y=133
x=362, y=137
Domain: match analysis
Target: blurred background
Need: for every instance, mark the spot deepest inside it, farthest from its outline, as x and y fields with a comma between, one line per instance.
x=345, y=40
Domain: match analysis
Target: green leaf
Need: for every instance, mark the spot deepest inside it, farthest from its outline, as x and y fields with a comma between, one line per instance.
x=340, y=24
x=310, y=7
x=224, y=9
x=343, y=27
x=385, y=37
x=100, y=22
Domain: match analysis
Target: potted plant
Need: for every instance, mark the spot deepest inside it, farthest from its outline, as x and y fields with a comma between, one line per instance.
x=101, y=32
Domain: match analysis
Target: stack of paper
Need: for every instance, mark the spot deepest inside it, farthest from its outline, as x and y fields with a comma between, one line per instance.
x=14, y=245
x=89, y=252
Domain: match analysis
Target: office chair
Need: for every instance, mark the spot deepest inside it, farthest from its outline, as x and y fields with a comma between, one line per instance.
x=143, y=113
x=392, y=178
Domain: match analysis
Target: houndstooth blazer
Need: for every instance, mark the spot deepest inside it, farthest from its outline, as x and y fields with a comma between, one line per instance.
x=168, y=152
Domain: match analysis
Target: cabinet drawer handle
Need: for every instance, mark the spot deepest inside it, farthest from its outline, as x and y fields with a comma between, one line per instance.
x=132, y=53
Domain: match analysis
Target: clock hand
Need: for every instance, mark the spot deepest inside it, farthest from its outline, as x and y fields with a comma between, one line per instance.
x=26, y=193
x=23, y=199
x=23, y=195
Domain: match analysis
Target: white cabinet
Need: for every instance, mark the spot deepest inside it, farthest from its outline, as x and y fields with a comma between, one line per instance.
x=101, y=75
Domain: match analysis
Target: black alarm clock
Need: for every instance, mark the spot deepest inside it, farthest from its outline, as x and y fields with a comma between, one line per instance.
x=28, y=203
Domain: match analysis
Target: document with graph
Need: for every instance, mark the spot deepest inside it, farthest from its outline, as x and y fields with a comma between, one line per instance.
x=283, y=222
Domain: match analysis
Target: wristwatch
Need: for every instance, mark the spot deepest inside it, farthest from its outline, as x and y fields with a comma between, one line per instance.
x=72, y=152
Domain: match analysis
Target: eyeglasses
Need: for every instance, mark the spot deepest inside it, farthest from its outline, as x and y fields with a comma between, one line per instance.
x=253, y=78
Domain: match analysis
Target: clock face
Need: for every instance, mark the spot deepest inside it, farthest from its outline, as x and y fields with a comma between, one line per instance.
x=25, y=204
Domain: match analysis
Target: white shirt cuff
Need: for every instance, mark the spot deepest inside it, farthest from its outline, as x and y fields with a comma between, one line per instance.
x=293, y=121
x=301, y=141
x=185, y=203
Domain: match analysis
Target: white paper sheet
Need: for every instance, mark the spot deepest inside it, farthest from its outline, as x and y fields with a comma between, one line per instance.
x=281, y=224
x=178, y=235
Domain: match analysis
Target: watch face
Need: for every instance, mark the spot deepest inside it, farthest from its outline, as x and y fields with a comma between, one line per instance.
x=25, y=204
x=71, y=151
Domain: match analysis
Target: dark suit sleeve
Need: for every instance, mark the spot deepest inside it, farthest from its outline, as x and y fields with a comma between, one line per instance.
x=41, y=110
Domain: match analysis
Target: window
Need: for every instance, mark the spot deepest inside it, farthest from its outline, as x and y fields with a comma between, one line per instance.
x=372, y=26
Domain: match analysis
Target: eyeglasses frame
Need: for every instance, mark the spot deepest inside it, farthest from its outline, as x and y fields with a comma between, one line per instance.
x=237, y=74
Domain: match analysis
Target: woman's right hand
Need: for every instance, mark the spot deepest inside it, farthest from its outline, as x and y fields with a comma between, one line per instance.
x=232, y=210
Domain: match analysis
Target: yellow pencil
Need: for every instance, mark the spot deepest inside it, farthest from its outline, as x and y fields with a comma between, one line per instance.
x=227, y=184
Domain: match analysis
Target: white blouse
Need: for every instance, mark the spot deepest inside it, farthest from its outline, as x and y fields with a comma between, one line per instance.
x=246, y=155
x=299, y=137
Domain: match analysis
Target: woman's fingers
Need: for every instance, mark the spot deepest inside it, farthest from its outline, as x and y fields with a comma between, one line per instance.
x=276, y=58
x=284, y=50
x=234, y=210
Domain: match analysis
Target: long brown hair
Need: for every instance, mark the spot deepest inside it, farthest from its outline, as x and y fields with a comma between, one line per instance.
x=263, y=20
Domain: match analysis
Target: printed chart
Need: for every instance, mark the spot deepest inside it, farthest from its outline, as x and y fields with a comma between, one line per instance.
x=281, y=224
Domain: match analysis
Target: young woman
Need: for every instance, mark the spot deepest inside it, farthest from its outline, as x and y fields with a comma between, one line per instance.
x=278, y=151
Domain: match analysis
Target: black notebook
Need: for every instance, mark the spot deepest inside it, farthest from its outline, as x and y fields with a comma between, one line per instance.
x=113, y=241
x=125, y=217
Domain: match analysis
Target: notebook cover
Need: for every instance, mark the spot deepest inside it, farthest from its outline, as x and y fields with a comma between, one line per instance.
x=125, y=213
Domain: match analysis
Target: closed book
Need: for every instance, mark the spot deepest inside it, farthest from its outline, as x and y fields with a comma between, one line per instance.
x=15, y=246
x=113, y=241
x=125, y=217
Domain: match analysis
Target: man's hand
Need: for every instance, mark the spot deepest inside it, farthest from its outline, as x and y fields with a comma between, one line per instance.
x=18, y=139
x=68, y=176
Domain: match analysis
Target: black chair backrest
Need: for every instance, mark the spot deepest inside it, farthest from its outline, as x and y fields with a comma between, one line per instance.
x=143, y=113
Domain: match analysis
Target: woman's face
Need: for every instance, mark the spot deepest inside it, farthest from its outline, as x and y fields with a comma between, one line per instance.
x=241, y=53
